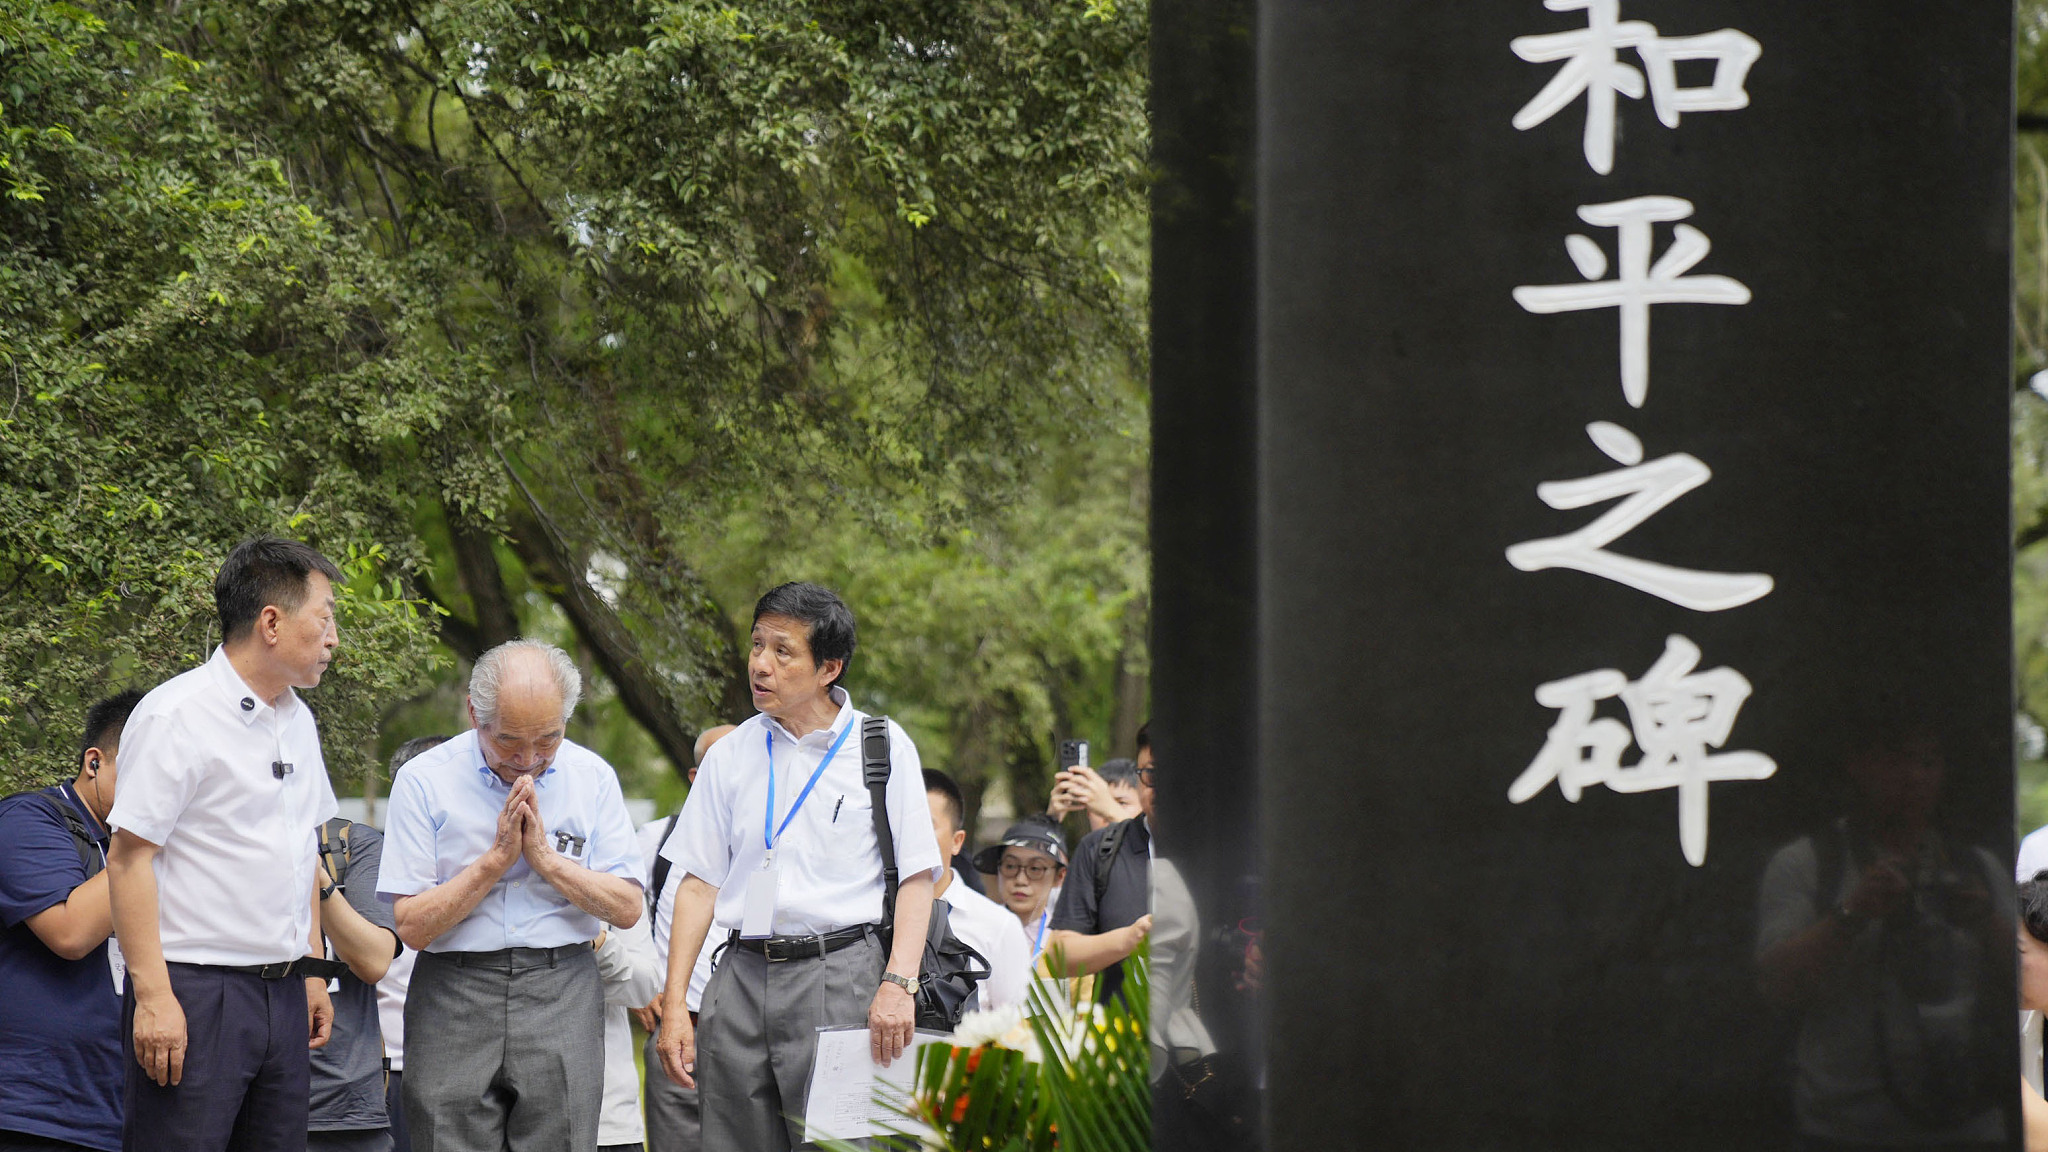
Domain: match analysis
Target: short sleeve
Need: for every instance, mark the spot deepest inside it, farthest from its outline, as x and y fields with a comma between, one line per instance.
x=160, y=773
x=617, y=851
x=1076, y=911
x=410, y=864
x=910, y=814
x=365, y=860
x=38, y=860
x=699, y=846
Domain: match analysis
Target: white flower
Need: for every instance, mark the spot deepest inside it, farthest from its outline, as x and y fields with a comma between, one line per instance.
x=987, y=1026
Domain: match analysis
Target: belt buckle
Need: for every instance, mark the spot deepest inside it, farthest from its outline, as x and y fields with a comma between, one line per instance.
x=275, y=971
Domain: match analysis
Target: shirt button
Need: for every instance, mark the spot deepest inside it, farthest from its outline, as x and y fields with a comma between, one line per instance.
x=248, y=705
x=519, y=883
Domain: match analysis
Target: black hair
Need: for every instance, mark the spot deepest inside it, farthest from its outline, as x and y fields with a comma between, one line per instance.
x=1144, y=735
x=956, y=804
x=1122, y=770
x=828, y=620
x=262, y=572
x=412, y=748
x=104, y=720
x=2034, y=906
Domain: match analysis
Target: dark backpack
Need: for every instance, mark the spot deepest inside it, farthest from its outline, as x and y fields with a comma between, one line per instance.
x=951, y=971
x=88, y=849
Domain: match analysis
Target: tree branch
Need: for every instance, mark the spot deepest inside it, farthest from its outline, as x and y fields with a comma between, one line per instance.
x=476, y=562
x=645, y=693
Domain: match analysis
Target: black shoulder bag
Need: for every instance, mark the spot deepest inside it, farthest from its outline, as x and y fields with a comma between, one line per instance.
x=949, y=974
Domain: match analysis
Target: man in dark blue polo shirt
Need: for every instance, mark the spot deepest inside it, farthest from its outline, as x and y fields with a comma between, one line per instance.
x=60, y=1000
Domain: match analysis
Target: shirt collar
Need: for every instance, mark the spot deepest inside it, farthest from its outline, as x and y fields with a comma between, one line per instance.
x=830, y=731
x=241, y=699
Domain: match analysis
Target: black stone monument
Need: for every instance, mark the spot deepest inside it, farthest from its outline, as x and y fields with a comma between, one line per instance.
x=1582, y=637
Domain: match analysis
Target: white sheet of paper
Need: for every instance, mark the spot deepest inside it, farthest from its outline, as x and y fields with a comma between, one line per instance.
x=117, y=963
x=757, y=918
x=845, y=1080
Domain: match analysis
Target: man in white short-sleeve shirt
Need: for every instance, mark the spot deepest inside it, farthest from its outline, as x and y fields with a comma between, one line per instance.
x=212, y=868
x=979, y=922
x=777, y=846
x=506, y=851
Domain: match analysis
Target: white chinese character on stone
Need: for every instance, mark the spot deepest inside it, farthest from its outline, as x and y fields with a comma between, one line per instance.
x=1677, y=714
x=1593, y=67
x=1637, y=283
x=1646, y=488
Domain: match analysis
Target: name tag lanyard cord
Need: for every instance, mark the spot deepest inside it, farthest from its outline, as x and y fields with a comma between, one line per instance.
x=770, y=832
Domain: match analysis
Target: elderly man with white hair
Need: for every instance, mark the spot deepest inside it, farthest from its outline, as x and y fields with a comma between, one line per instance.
x=507, y=850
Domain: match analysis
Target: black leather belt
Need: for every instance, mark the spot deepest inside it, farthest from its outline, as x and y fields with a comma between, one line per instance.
x=311, y=967
x=780, y=948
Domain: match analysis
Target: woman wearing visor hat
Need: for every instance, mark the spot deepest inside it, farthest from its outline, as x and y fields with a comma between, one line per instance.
x=1029, y=864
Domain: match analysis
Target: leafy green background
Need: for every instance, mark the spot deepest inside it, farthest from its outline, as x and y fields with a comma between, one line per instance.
x=590, y=321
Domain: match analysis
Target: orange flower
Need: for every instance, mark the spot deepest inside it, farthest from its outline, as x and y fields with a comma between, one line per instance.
x=960, y=1108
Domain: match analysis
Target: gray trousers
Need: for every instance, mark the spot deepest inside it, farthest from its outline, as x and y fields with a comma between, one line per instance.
x=504, y=1051
x=675, y=1122
x=758, y=1034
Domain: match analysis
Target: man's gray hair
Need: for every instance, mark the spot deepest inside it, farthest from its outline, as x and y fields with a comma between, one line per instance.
x=489, y=673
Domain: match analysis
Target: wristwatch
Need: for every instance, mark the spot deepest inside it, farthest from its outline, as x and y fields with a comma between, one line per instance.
x=328, y=889
x=907, y=983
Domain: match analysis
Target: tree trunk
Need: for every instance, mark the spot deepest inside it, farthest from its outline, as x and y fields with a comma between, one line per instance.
x=647, y=696
x=476, y=562
x=1133, y=685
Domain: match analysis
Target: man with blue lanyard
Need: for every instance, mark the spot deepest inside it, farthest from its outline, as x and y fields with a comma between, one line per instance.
x=60, y=1020
x=777, y=846
x=506, y=850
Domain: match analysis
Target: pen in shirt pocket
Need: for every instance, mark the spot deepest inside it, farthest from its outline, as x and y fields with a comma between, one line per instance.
x=835, y=809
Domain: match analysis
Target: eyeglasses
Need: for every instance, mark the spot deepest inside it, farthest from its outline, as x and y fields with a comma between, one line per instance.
x=1145, y=775
x=1037, y=869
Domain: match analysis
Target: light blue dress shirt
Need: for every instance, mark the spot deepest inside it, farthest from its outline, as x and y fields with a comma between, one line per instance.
x=443, y=816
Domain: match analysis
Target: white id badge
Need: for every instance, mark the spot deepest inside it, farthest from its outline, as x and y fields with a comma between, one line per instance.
x=757, y=919
x=117, y=963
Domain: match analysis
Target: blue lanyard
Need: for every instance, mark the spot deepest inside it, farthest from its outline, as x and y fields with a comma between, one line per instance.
x=769, y=832
x=1039, y=945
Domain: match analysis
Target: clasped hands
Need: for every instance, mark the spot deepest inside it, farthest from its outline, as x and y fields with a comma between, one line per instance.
x=520, y=831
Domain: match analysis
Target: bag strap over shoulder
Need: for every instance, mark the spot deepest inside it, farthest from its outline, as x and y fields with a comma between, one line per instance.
x=661, y=864
x=874, y=759
x=81, y=838
x=1112, y=843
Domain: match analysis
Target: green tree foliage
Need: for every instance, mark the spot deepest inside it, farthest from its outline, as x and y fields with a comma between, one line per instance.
x=2030, y=414
x=191, y=356
x=587, y=319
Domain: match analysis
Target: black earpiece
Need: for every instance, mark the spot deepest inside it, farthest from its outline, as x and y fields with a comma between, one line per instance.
x=94, y=764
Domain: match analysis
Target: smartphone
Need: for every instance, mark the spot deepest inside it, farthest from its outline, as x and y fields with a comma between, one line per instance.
x=1073, y=754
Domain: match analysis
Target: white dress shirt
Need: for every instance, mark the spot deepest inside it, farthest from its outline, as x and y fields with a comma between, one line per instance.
x=626, y=964
x=665, y=912
x=234, y=870
x=829, y=868
x=992, y=930
x=443, y=815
